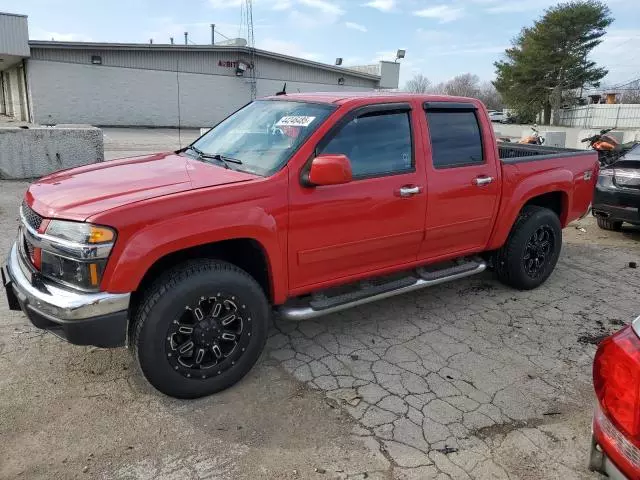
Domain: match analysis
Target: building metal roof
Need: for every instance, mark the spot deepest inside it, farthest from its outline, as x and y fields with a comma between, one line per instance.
x=198, y=48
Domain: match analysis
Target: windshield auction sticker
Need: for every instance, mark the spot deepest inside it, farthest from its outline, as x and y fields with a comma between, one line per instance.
x=298, y=121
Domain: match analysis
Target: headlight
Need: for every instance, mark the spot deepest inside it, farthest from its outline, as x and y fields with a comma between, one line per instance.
x=605, y=178
x=76, y=253
x=75, y=273
x=84, y=233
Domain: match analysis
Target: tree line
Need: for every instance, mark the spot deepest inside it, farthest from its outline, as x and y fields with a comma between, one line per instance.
x=465, y=85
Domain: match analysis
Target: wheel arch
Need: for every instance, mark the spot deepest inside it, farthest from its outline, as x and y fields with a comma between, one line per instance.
x=246, y=253
x=550, y=190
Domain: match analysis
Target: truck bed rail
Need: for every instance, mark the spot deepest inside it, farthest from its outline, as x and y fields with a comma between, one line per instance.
x=519, y=152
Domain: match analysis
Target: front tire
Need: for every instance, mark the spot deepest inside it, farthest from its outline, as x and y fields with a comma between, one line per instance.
x=200, y=328
x=606, y=224
x=532, y=250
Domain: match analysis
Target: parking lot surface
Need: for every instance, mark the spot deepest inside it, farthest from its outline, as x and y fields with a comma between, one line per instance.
x=465, y=380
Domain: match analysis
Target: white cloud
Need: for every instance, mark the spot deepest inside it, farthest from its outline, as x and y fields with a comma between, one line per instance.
x=39, y=34
x=443, y=13
x=226, y=3
x=282, y=5
x=382, y=5
x=324, y=6
x=355, y=26
x=614, y=52
x=507, y=6
x=287, y=48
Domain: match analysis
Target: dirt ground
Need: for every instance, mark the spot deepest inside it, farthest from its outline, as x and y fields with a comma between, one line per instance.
x=465, y=380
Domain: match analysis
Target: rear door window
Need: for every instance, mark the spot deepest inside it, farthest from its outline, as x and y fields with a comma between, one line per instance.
x=455, y=138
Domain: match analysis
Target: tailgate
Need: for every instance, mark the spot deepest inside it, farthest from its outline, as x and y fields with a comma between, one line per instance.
x=585, y=179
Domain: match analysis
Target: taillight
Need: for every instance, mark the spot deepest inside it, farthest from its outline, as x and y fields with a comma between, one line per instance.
x=616, y=378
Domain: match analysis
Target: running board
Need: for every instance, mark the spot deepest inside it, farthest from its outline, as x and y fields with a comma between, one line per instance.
x=368, y=292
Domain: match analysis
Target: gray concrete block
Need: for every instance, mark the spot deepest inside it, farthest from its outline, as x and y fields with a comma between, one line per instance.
x=35, y=152
x=554, y=138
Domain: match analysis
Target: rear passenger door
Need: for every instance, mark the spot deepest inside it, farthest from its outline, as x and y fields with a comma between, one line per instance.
x=462, y=181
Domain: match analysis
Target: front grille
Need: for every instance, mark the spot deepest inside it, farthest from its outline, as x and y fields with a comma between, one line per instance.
x=28, y=248
x=32, y=218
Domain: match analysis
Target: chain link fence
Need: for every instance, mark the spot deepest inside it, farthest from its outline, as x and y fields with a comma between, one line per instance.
x=601, y=116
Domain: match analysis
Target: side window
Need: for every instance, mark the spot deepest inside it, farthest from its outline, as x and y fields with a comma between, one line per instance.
x=376, y=143
x=455, y=138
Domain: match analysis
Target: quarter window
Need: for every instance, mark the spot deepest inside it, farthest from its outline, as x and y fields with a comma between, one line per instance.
x=455, y=138
x=376, y=143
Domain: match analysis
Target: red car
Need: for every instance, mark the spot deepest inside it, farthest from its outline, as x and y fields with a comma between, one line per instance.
x=306, y=204
x=615, y=447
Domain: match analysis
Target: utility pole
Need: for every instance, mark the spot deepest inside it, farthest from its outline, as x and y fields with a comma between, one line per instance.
x=252, y=49
x=186, y=38
x=171, y=40
x=213, y=34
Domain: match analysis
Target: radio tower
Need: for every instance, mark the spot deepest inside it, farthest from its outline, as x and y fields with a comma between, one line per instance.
x=251, y=43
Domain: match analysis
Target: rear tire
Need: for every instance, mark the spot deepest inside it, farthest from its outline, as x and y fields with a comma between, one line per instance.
x=531, y=252
x=200, y=328
x=606, y=224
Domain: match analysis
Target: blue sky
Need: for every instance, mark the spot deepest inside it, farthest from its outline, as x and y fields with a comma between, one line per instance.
x=442, y=38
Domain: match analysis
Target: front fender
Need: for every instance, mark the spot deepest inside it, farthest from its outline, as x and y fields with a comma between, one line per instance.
x=534, y=185
x=137, y=253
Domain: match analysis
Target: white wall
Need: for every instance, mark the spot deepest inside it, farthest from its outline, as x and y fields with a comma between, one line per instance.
x=68, y=93
x=115, y=96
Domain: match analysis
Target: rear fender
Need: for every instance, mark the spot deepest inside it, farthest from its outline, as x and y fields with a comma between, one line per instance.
x=560, y=180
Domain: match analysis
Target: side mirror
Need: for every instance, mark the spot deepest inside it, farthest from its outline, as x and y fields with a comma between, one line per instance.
x=330, y=169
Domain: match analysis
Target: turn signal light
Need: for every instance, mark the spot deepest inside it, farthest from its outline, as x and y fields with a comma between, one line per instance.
x=616, y=378
x=100, y=235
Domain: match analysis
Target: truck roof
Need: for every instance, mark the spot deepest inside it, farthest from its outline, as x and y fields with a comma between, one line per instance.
x=343, y=97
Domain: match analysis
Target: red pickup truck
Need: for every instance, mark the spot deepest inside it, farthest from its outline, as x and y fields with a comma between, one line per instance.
x=306, y=204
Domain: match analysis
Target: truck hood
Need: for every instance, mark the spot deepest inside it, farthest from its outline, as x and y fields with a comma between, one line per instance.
x=82, y=192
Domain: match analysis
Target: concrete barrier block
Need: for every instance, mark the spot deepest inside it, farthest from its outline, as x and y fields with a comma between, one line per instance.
x=554, y=138
x=35, y=152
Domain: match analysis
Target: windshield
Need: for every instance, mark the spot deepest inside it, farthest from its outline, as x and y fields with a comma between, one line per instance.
x=264, y=134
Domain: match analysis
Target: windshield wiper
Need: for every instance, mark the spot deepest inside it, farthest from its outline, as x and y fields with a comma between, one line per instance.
x=215, y=156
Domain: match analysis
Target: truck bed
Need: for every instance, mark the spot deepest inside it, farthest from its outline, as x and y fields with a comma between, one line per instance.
x=518, y=152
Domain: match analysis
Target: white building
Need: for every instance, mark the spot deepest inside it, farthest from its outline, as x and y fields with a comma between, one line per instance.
x=112, y=84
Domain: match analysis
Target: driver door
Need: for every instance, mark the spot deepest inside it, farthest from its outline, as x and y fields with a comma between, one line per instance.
x=374, y=222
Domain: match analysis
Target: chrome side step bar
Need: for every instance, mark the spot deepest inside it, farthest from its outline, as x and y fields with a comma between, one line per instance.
x=298, y=313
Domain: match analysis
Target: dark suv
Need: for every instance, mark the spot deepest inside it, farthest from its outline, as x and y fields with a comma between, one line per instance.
x=617, y=196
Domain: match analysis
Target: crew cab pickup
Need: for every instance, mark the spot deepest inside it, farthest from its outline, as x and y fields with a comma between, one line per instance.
x=302, y=204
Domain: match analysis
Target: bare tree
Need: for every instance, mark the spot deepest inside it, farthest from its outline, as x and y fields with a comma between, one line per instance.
x=490, y=96
x=418, y=84
x=631, y=93
x=465, y=85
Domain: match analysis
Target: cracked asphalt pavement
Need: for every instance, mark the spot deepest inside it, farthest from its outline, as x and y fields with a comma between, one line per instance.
x=467, y=380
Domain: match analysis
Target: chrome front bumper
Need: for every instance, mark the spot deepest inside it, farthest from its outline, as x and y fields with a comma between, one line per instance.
x=57, y=304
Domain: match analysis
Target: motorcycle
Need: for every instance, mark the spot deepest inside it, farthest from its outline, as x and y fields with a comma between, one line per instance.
x=608, y=147
x=534, y=139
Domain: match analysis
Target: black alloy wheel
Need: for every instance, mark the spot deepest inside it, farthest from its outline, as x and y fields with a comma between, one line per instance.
x=199, y=328
x=210, y=335
x=537, y=252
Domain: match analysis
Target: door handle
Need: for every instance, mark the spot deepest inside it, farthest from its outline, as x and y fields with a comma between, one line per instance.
x=409, y=191
x=482, y=181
